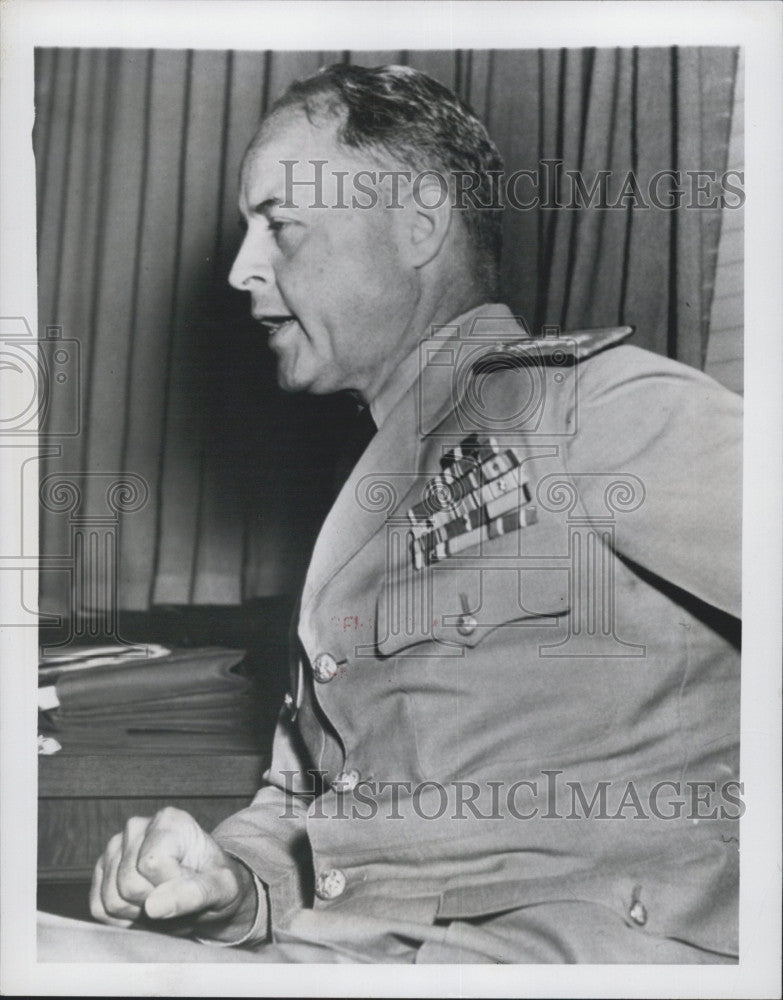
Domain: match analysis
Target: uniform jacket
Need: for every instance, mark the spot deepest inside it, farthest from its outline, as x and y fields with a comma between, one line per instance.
x=568, y=666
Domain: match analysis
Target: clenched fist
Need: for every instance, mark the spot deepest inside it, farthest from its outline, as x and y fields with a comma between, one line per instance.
x=167, y=867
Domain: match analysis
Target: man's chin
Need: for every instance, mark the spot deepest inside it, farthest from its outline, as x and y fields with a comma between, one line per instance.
x=298, y=382
x=294, y=374
x=289, y=374
x=289, y=379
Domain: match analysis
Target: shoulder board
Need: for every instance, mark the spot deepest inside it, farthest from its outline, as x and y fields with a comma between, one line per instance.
x=568, y=349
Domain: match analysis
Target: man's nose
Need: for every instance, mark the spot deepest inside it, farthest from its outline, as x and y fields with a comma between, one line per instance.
x=252, y=264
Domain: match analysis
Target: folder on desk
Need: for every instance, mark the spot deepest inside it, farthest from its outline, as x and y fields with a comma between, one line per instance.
x=191, y=696
x=54, y=662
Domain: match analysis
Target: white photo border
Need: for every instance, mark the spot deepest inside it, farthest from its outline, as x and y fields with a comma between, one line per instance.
x=247, y=24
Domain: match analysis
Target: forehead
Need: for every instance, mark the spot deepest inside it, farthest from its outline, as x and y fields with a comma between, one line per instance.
x=291, y=136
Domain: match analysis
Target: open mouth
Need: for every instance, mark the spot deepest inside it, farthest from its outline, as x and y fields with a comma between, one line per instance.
x=274, y=324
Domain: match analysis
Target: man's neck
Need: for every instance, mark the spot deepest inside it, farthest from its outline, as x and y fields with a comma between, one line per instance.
x=439, y=311
x=406, y=371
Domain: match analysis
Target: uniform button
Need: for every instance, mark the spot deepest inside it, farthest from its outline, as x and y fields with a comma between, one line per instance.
x=324, y=668
x=330, y=884
x=346, y=781
x=466, y=624
x=638, y=913
x=288, y=702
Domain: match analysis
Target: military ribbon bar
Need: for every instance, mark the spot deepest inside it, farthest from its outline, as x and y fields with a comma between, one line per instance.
x=481, y=494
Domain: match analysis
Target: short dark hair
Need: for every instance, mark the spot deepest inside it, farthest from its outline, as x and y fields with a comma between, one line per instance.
x=420, y=124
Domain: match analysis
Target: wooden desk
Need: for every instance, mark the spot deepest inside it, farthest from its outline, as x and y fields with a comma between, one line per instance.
x=84, y=798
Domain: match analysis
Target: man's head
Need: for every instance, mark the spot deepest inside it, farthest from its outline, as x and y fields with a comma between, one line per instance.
x=349, y=283
x=404, y=118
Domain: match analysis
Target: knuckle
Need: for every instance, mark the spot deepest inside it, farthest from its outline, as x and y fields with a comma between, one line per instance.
x=171, y=815
x=135, y=827
x=114, y=905
x=148, y=864
x=108, y=885
x=155, y=861
x=106, y=894
x=131, y=886
x=125, y=911
x=114, y=845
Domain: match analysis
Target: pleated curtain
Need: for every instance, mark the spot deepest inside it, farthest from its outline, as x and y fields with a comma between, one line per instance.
x=137, y=158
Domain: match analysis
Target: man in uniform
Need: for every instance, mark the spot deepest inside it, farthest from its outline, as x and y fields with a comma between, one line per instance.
x=512, y=729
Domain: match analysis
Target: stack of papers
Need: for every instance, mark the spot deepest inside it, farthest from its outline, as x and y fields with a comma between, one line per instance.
x=75, y=658
x=189, y=699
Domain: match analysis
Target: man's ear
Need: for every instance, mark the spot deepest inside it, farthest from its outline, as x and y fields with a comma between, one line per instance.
x=427, y=218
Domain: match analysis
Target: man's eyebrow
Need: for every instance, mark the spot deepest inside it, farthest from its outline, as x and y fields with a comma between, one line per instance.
x=266, y=206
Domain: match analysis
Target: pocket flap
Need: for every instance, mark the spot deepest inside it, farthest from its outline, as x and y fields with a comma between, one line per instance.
x=457, y=603
x=692, y=898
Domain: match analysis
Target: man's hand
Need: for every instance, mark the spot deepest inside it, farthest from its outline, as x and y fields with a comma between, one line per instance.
x=167, y=867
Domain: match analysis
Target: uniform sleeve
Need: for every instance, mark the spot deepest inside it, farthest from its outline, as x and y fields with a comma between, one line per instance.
x=680, y=434
x=270, y=838
x=258, y=932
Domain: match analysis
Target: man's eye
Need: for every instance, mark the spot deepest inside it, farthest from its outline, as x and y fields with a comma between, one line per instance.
x=277, y=225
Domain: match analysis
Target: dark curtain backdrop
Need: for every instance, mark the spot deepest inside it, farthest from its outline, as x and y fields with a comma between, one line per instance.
x=137, y=155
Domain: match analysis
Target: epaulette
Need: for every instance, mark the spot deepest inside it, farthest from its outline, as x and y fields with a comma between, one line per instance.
x=562, y=351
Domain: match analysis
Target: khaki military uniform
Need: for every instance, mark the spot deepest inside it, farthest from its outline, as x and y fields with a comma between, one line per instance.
x=587, y=647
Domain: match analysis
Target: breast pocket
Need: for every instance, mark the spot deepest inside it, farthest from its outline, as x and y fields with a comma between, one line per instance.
x=456, y=604
x=480, y=646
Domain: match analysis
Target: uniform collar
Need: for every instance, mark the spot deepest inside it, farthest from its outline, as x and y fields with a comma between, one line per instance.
x=402, y=379
x=449, y=355
x=489, y=320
